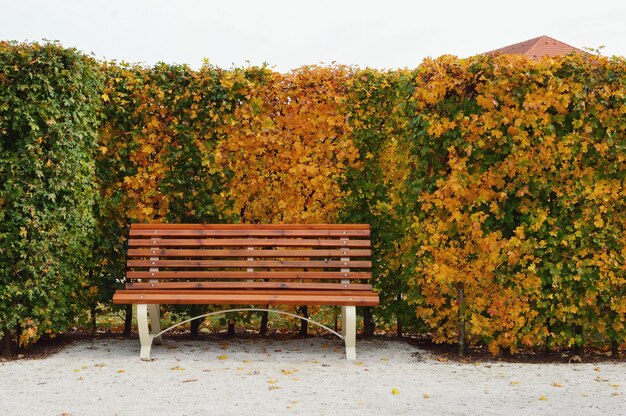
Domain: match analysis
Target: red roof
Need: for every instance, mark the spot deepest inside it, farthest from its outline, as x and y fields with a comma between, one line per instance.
x=537, y=48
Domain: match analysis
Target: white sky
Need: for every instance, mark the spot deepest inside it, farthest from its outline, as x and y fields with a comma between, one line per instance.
x=288, y=34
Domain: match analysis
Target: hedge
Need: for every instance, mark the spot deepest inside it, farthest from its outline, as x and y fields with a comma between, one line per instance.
x=49, y=115
x=494, y=185
x=519, y=195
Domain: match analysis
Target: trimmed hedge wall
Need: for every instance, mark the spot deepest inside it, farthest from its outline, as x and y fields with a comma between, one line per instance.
x=49, y=115
x=494, y=186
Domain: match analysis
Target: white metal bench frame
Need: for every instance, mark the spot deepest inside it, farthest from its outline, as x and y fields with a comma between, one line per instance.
x=149, y=333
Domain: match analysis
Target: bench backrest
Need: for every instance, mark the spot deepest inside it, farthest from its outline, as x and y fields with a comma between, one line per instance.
x=262, y=256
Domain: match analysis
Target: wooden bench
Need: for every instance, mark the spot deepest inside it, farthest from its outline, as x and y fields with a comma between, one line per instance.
x=239, y=264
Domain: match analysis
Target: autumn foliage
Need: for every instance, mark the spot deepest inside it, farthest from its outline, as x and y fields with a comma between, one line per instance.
x=287, y=146
x=494, y=185
x=519, y=194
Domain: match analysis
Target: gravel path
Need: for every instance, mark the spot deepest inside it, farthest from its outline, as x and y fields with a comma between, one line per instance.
x=301, y=377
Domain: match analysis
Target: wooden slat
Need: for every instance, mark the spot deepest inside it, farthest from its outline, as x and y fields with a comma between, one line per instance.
x=248, y=285
x=280, y=275
x=256, y=292
x=247, y=233
x=127, y=297
x=146, y=252
x=242, y=242
x=142, y=226
x=246, y=263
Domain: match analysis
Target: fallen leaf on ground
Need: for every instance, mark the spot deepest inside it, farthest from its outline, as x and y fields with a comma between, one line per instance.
x=273, y=388
x=600, y=379
x=426, y=396
x=99, y=365
x=513, y=383
x=121, y=371
x=287, y=372
x=557, y=384
x=177, y=368
x=358, y=363
x=222, y=357
x=596, y=369
x=395, y=391
x=543, y=398
x=272, y=381
x=442, y=359
x=190, y=380
x=614, y=385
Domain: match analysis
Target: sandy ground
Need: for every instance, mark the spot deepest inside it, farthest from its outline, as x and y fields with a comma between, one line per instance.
x=304, y=377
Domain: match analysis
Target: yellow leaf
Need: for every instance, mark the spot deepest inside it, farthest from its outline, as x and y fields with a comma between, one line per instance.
x=513, y=383
x=614, y=385
x=287, y=372
x=177, y=368
x=426, y=396
x=272, y=381
x=121, y=371
x=395, y=391
x=222, y=357
x=543, y=398
x=105, y=97
x=557, y=384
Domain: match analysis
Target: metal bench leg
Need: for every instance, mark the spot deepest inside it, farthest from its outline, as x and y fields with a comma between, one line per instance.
x=144, y=333
x=350, y=332
x=154, y=312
